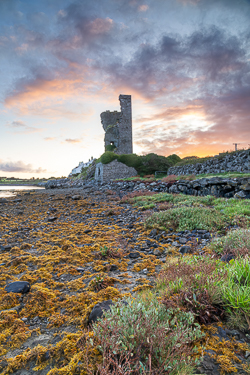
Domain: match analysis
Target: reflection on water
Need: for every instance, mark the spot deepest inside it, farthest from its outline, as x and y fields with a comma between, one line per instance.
x=9, y=190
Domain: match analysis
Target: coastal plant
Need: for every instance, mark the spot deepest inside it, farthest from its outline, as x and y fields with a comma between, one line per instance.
x=193, y=284
x=187, y=218
x=170, y=178
x=106, y=252
x=156, y=339
x=236, y=242
x=197, y=274
x=141, y=193
x=233, y=207
x=236, y=291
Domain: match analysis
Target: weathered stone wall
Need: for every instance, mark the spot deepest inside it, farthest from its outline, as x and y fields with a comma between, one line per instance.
x=125, y=126
x=118, y=127
x=113, y=170
x=235, y=162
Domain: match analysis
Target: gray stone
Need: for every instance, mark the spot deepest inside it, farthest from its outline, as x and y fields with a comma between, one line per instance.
x=113, y=267
x=153, y=232
x=240, y=194
x=157, y=252
x=76, y=197
x=185, y=249
x=52, y=218
x=18, y=287
x=98, y=309
x=134, y=255
x=176, y=244
x=183, y=240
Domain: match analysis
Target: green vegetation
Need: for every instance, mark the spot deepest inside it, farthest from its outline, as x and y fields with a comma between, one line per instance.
x=234, y=242
x=151, y=337
x=189, y=218
x=193, y=161
x=24, y=181
x=145, y=164
x=110, y=148
x=209, y=175
x=190, y=212
x=209, y=282
x=196, y=160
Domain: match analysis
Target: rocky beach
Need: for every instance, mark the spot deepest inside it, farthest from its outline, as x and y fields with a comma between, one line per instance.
x=62, y=252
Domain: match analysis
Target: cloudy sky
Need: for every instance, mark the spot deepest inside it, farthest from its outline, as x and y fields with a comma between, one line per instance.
x=186, y=64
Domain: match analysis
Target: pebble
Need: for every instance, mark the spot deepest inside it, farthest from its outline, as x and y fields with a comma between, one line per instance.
x=52, y=218
x=134, y=254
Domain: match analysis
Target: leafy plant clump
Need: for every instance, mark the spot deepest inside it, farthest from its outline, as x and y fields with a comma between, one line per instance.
x=145, y=164
x=157, y=340
x=187, y=218
x=236, y=242
x=236, y=292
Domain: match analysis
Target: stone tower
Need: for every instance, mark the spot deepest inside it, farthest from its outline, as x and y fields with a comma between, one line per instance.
x=118, y=127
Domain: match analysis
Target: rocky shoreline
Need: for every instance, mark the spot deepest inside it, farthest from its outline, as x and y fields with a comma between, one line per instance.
x=77, y=247
x=216, y=186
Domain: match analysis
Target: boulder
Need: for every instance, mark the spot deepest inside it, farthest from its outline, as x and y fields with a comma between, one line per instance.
x=185, y=250
x=18, y=287
x=98, y=309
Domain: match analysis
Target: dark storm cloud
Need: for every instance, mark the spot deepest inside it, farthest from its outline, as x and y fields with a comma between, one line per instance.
x=208, y=55
x=206, y=70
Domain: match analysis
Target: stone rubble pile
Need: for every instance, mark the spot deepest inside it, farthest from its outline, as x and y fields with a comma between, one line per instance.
x=235, y=162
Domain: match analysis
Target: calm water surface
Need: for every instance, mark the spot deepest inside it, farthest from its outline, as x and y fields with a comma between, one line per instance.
x=11, y=190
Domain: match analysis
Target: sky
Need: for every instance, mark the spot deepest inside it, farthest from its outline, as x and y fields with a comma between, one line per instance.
x=186, y=64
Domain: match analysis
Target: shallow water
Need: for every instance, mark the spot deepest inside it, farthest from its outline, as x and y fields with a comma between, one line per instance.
x=10, y=190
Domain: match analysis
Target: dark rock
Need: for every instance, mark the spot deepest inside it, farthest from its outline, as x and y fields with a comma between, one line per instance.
x=157, y=252
x=134, y=255
x=183, y=240
x=76, y=197
x=87, y=231
x=153, y=232
x=176, y=244
x=98, y=310
x=185, y=249
x=113, y=267
x=227, y=257
x=3, y=364
x=5, y=248
x=52, y=209
x=52, y=218
x=130, y=226
x=3, y=200
x=80, y=269
x=18, y=287
x=17, y=200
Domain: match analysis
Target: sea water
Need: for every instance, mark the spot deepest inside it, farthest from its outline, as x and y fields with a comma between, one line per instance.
x=11, y=190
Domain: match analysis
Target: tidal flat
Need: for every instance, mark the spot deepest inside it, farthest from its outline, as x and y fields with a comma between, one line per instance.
x=79, y=247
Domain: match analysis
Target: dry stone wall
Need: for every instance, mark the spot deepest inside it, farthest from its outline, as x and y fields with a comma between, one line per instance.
x=235, y=162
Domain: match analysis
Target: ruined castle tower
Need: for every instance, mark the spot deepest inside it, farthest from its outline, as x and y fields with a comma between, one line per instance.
x=118, y=127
